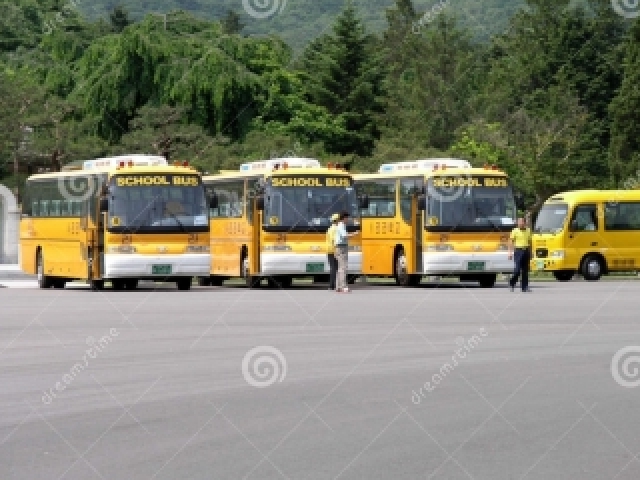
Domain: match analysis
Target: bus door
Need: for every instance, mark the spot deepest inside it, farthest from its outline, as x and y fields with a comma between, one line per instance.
x=95, y=230
x=583, y=235
x=256, y=200
x=410, y=190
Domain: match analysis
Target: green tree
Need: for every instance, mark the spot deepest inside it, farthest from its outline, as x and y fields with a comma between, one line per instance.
x=119, y=18
x=231, y=23
x=343, y=74
x=625, y=111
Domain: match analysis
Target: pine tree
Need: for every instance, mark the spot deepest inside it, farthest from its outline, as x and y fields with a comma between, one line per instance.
x=625, y=112
x=119, y=18
x=343, y=74
x=231, y=23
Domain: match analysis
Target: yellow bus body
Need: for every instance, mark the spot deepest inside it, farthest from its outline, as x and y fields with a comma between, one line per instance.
x=588, y=232
x=246, y=244
x=65, y=237
x=407, y=243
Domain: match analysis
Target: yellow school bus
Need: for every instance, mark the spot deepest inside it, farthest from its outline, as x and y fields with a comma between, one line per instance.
x=588, y=232
x=120, y=219
x=270, y=220
x=436, y=217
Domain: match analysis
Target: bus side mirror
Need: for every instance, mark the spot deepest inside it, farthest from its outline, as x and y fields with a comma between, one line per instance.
x=422, y=202
x=573, y=226
x=260, y=202
x=104, y=204
x=363, y=201
x=213, y=201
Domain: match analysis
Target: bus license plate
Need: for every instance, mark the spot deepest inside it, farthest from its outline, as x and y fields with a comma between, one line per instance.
x=315, y=267
x=475, y=266
x=161, y=269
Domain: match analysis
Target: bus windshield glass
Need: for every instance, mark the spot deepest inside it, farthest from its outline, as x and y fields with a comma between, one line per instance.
x=551, y=218
x=306, y=203
x=157, y=203
x=470, y=204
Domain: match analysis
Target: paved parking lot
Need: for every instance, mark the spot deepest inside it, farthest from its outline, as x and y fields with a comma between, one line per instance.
x=443, y=382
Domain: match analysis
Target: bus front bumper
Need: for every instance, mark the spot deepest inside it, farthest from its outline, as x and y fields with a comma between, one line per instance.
x=156, y=266
x=466, y=263
x=304, y=264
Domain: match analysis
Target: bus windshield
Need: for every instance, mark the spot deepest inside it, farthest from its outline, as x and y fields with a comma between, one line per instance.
x=306, y=204
x=157, y=203
x=551, y=218
x=470, y=204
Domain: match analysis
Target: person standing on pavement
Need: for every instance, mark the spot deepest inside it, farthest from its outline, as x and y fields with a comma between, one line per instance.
x=520, y=252
x=331, y=250
x=342, y=249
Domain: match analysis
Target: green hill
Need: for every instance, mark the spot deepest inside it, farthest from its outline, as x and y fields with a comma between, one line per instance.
x=298, y=21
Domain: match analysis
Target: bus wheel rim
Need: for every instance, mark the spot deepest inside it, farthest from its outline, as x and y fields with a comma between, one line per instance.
x=593, y=267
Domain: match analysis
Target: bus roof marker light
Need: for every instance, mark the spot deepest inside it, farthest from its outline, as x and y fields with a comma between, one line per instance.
x=185, y=164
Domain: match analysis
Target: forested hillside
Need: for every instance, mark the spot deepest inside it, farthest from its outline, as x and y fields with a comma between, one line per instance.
x=553, y=98
x=299, y=21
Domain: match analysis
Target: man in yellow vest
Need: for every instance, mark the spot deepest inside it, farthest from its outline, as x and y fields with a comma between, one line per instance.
x=331, y=251
x=520, y=252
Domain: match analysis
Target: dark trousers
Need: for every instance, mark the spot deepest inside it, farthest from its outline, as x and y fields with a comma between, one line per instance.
x=521, y=258
x=333, y=269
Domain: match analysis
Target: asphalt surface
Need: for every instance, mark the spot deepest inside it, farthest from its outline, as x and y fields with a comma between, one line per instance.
x=164, y=395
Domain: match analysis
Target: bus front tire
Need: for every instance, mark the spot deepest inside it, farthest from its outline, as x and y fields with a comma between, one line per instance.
x=488, y=281
x=184, y=284
x=400, y=270
x=44, y=281
x=563, y=275
x=592, y=268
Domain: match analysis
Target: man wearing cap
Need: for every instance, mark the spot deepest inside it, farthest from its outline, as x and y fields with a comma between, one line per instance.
x=342, y=250
x=331, y=250
x=521, y=243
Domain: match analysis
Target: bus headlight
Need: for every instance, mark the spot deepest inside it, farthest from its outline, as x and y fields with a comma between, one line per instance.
x=440, y=247
x=121, y=249
x=355, y=248
x=276, y=248
x=557, y=254
x=197, y=249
